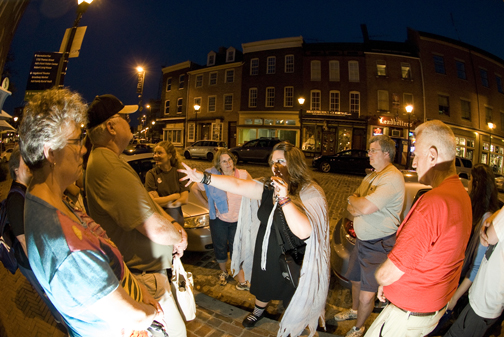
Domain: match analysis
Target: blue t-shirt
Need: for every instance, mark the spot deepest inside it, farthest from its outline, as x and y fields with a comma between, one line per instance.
x=75, y=266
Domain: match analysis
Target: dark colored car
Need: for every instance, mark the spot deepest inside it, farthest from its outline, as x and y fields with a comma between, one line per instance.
x=349, y=161
x=196, y=216
x=257, y=150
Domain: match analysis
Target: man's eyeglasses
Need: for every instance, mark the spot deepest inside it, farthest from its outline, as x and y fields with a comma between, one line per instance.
x=373, y=151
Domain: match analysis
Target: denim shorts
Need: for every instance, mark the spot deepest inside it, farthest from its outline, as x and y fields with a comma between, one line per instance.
x=223, y=234
x=365, y=258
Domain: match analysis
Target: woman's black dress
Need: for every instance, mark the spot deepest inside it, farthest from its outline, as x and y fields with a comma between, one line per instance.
x=267, y=285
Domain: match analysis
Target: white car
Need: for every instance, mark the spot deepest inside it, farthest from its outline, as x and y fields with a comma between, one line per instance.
x=205, y=149
x=196, y=216
x=6, y=155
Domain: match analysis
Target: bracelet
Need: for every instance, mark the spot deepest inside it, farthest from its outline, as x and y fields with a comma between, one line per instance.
x=282, y=201
x=348, y=200
x=207, y=178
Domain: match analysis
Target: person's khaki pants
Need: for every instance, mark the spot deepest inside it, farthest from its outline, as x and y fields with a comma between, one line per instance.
x=393, y=322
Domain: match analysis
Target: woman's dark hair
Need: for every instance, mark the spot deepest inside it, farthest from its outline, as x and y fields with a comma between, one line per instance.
x=296, y=166
x=484, y=198
x=484, y=194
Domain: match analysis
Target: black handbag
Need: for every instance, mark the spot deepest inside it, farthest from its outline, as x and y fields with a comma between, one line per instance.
x=290, y=261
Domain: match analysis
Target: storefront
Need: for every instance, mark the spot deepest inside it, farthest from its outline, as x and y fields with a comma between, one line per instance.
x=330, y=132
x=397, y=129
x=282, y=125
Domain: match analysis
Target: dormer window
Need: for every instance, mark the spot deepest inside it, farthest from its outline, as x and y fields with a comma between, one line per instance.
x=230, y=54
x=211, y=58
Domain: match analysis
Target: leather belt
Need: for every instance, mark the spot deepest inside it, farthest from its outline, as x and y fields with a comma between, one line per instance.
x=420, y=314
x=138, y=271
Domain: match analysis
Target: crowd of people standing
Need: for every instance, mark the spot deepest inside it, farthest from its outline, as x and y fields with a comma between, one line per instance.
x=104, y=270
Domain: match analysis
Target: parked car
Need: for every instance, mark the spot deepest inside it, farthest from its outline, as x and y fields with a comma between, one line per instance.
x=196, y=216
x=257, y=150
x=343, y=238
x=349, y=161
x=139, y=141
x=138, y=148
x=6, y=155
x=203, y=149
x=464, y=167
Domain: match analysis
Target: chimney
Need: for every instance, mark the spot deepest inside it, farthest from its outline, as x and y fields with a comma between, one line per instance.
x=364, y=32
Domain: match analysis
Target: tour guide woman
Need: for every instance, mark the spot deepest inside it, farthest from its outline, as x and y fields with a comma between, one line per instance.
x=295, y=205
x=79, y=268
x=162, y=182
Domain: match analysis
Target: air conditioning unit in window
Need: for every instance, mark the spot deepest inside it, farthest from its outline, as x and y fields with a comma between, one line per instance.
x=396, y=133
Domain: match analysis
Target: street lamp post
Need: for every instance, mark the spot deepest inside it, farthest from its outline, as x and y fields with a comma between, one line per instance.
x=409, y=110
x=196, y=110
x=62, y=66
x=140, y=85
x=491, y=126
x=301, y=101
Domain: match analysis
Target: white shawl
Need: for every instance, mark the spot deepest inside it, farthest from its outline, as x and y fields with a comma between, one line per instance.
x=308, y=303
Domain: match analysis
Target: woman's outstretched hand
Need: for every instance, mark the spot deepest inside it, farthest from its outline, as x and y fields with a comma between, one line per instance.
x=192, y=175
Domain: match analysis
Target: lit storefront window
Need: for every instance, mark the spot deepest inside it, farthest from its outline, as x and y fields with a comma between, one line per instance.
x=465, y=147
x=344, y=139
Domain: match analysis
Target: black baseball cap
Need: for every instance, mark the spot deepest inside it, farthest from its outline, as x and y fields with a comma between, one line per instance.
x=105, y=106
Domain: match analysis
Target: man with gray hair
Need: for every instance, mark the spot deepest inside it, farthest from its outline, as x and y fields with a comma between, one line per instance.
x=376, y=206
x=118, y=201
x=422, y=271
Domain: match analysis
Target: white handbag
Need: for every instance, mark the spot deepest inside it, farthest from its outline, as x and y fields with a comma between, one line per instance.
x=182, y=288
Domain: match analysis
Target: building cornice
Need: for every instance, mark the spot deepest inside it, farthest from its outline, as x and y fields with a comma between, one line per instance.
x=288, y=42
x=175, y=67
x=216, y=68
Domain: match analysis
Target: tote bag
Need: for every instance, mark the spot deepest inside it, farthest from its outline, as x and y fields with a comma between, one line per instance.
x=182, y=289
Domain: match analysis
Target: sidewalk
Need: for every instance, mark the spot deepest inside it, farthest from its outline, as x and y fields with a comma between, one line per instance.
x=23, y=313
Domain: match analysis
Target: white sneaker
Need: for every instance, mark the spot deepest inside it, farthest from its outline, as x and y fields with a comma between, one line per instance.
x=354, y=332
x=346, y=315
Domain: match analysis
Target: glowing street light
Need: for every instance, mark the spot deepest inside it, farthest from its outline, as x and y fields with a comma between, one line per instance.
x=196, y=110
x=409, y=110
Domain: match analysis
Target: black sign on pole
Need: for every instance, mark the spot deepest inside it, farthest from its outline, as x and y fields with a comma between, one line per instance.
x=43, y=72
x=140, y=83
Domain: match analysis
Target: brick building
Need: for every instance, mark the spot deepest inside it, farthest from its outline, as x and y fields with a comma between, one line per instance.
x=351, y=92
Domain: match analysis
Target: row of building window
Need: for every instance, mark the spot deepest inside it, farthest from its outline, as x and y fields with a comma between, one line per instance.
x=439, y=66
x=212, y=104
x=465, y=109
x=212, y=79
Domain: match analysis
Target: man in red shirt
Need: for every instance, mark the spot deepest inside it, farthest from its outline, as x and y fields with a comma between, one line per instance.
x=422, y=271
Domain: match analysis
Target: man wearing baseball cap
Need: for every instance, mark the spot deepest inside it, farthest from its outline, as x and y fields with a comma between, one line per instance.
x=118, y=201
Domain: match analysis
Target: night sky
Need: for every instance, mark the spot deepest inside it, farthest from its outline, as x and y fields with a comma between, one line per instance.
x=122, y=34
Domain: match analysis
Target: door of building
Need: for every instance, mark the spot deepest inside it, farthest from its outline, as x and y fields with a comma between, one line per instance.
x=329, y=142
x=231, y=142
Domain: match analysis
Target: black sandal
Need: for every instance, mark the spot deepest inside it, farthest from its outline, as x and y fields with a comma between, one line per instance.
x=251, y=320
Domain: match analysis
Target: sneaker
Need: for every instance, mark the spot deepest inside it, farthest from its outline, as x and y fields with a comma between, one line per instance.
x=251, y=320
x=354, y=332
x=346, y=315
x=243, y=286
x=223, y=278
